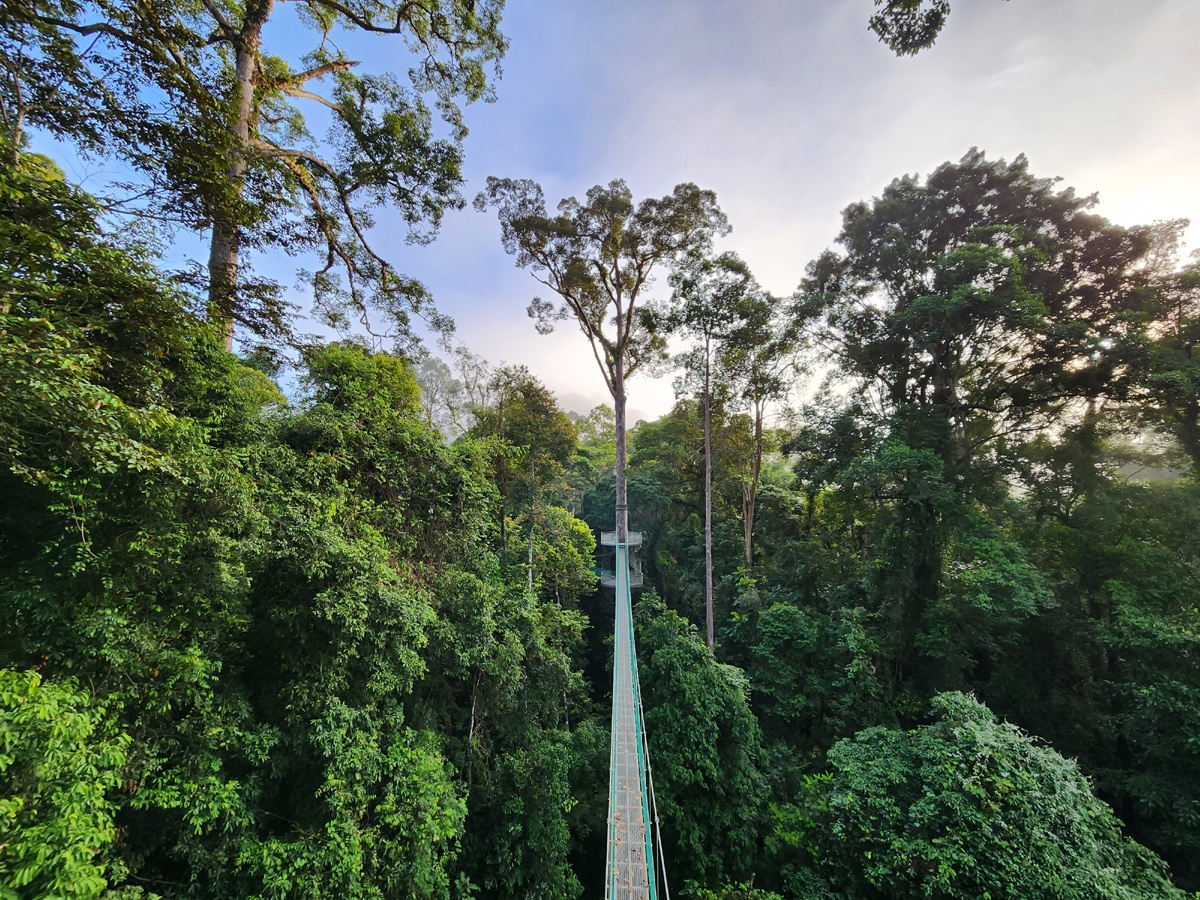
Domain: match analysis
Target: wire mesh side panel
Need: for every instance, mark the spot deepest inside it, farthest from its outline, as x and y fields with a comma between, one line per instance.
x=630, y=874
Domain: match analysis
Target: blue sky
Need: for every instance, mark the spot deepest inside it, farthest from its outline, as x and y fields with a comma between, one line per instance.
x=790, y=110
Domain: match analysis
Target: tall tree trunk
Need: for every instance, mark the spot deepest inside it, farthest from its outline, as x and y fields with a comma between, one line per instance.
x=622, y=511
x=708, y=564
x=531, y=554
x=502, y=483
x=923, y=537
x=503, y=527
x=532, y=512
x=226, y=231
x=16, y=132
x=751, y=496
x=1188, y=430
x=15, y=124
x=222, y=276
x=471, y=734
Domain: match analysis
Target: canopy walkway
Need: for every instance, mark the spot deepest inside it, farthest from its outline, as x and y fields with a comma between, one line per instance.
x=630, y=867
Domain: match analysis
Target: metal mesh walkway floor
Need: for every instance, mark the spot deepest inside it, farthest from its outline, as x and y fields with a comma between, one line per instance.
x=630, y=867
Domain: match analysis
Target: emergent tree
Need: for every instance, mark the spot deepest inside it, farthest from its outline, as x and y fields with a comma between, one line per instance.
x=599, y=256
x=192, y=98
x=707, y=293
x=761, y=357
x=972, y=312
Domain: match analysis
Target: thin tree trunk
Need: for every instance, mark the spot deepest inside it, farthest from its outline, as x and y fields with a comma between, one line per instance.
x=502, y=483
x=17, y=134
x=503, y=530
x=471, y=734
x=226, y=232
x=622, y=511
x=532, y=512
x=708, y=564
x=15, y=127
x=531, y=555
x=752, y=496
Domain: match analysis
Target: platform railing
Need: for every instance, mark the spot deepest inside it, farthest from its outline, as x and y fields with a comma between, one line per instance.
x=608, y=578
x=609, y=539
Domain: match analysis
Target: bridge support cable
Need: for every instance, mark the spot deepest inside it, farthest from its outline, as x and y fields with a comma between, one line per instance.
x=662, y=860
x=630, y=869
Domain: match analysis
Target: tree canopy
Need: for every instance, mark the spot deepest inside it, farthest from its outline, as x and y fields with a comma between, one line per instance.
x=326, y=623
x=598, y=257
x=967, y=807
x=214, y=120
x=909, y=26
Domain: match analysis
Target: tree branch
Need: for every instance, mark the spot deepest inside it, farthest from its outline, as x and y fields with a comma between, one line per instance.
x=97, y=28
x=289, y=156
x=317, y=71
x=227, y=29
x=362, y=22
x=152, y=48
x=309, y=95
x=314, y=196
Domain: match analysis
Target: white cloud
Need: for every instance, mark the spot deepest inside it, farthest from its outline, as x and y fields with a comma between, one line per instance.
x=792, y=110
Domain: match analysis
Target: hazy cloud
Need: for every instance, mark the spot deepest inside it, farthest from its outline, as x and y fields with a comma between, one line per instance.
x=791, y=110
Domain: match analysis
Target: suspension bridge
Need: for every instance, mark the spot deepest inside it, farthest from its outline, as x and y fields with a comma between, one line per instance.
x=630, y=869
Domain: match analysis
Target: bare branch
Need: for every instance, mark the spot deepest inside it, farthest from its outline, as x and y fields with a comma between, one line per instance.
x=289, y=156
x=605, y=368
x=309, y=95
x=230, y=34
x=97, y=28
x=153, y=48
x=364, y=23
x=317, y=71
x=314, y=196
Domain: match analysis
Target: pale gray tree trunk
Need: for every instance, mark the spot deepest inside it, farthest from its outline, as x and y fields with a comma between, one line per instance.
x=502, y=483
x=622, y=525
x=531, y=555
x=751, y=495
x=532, y=513
x=222, y=276
x=226, y=233
x=708, y=562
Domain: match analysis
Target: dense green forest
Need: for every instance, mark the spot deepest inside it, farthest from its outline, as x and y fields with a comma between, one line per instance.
x=320, y=618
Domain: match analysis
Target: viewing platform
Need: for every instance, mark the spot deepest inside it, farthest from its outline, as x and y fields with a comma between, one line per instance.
x=608, y=577
x=633, y=540
x=609, y=539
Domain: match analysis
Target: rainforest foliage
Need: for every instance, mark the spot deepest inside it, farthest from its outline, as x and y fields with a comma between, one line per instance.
x=320, y=620
x=260, y=645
